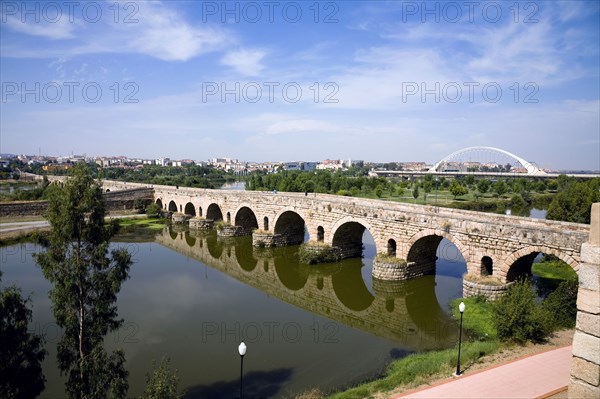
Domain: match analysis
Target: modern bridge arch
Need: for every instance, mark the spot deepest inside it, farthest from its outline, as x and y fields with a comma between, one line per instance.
x=532, y=170
x=519, y=263
x=213, y=212
x=347, y=235
x=246, y=218
x=172, y=206
x=290, y=224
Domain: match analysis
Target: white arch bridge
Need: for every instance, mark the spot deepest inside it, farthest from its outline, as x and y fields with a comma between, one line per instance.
x=532, y=169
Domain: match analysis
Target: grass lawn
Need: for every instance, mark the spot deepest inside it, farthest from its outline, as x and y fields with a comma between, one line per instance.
x=150, y=223
x=419, y=368
x=554, y=270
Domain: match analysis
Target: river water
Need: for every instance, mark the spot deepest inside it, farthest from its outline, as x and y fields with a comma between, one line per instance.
x=194, y=297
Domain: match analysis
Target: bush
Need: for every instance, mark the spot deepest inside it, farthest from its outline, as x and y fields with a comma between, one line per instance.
x=519, y=317
x=153, y=210
x=561, y=305
x=313, y=254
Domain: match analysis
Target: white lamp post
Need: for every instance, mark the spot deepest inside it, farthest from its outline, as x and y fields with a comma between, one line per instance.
x=242, y=352
x=461, y=309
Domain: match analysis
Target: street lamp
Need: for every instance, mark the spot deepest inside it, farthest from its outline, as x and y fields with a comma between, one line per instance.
x=242, y=351
x=461, y=309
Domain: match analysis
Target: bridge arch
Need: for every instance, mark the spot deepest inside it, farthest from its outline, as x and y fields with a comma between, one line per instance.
x=347, y=235
x=213, y=212
x=159, y=203
x=422, y=247
x=349, y=286
x=532, y=170
x=245, y=217
x=519, y=262
x=189, y=209
x=290, y=224
x=172, y=206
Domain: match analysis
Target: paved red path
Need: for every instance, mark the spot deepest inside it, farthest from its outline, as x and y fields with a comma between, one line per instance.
x=530, y=377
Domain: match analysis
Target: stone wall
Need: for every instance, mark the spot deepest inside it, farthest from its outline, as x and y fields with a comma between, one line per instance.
x=585, y=364
x=397, y=271
x=22, y=208
x=489, y=291
x=268, y=240
x=115, y=201
x=503, y=239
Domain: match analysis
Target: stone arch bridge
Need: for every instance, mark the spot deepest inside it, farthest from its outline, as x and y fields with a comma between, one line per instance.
x=492, y=245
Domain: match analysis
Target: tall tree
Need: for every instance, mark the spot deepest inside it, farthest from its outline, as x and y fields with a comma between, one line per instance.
x=574, y=202
x=86, y=280
x=21, y=352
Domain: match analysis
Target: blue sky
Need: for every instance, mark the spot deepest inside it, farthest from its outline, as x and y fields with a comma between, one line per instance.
x=378, y=80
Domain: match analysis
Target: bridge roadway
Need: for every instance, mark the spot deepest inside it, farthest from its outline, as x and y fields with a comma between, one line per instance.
x=498, y=175
x=498, y=245
x=406, y=312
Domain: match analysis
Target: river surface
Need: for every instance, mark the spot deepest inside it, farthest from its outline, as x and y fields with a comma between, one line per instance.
x=194, y=297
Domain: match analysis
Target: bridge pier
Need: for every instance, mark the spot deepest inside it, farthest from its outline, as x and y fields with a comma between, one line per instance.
x=226, y=230
x=268, y=240
x=399, y=269
x=201, y=224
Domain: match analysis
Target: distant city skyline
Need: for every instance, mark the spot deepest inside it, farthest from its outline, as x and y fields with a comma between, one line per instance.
x=285, y=81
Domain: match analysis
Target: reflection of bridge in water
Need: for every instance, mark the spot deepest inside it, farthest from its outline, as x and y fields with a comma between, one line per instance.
x=406, y=312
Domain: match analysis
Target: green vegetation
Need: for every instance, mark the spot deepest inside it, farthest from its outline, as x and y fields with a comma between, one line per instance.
x=519, y=316
x=312, y=254
x=385, y=258
x=85, y=281
x=162, y=383
x=149, y=223
x=463, y=192
x=553, y=268
x=488, y=327
x=574, y=200
x=419, y=368
x=35, y=192
x=21, y=352
x=478, y=322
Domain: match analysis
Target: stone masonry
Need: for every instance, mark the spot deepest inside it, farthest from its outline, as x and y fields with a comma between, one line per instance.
x=503, y=239
x=585, y=364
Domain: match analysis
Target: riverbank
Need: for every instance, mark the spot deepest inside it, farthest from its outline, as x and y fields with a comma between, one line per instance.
x=503, y=354
x=17, y=229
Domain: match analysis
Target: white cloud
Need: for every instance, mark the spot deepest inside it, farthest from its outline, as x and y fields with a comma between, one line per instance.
x=247, y=62
x=161, y=32
x=61, y=29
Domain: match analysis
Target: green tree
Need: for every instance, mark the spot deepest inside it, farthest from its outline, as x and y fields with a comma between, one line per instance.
x=483, y=186
x=457, y=189
x=21, y=352
x=500, y=188
x=162, y=382
x=574, y=202
x=518, y=316
x=85, y=281
x=415, y=191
